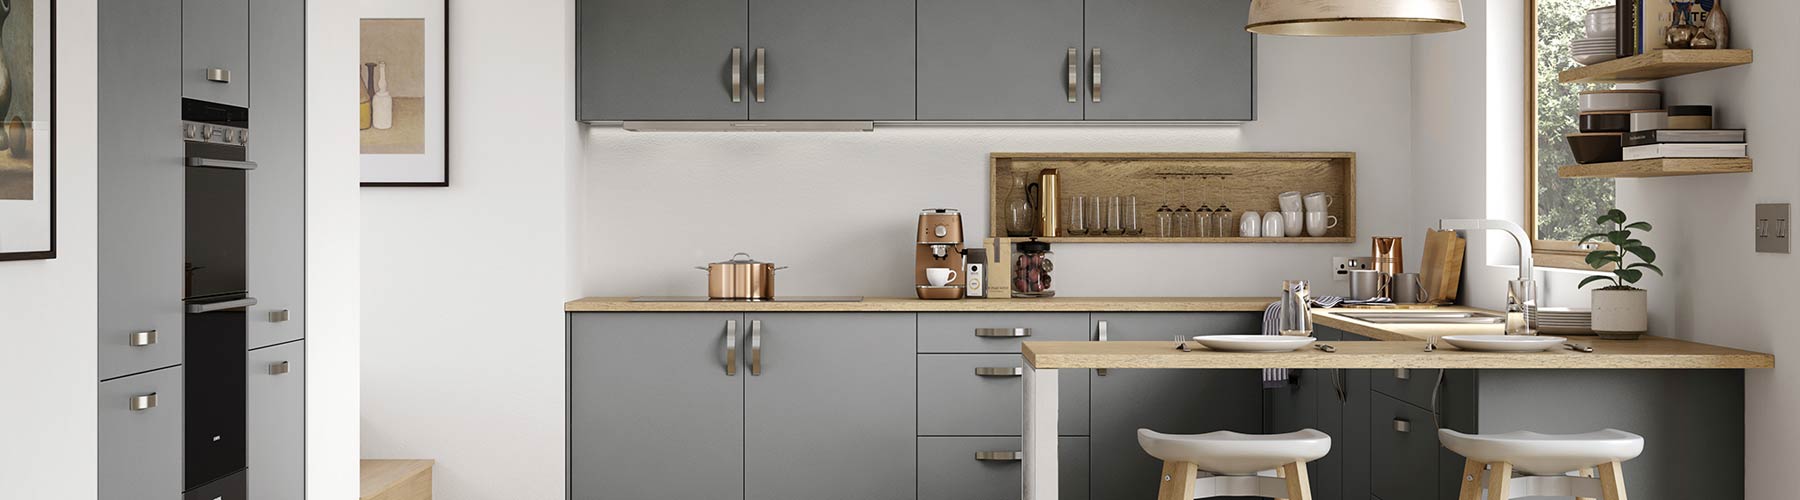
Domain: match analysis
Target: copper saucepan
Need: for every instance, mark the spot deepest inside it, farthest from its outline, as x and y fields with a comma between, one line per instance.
x=741, y=278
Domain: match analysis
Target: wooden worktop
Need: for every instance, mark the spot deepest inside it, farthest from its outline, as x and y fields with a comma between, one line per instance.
x=895, y=304
x=1390, y=331
x=1645, y=353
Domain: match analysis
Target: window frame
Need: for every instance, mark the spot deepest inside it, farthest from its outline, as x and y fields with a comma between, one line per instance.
x=1544, y=253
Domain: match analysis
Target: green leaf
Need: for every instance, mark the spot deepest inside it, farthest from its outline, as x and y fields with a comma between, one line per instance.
x=1646, y=265
x=1632, y=243
x=1599, y=259
x=1629, y=275
x=1591, y=237
x=1639, y=226
x=1614, y=216
x=1643, y=252
x=1594, y=278
x=1618, y=237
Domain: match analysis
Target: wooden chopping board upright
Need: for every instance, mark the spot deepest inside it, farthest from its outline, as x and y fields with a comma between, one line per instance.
x=1440, y=268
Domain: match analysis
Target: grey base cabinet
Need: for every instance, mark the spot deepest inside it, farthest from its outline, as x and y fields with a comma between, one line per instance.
x=140, y=420
x=982, y=468
x=276, y=426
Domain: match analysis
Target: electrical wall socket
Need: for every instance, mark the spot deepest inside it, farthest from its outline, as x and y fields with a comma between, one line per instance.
x=1341, y=266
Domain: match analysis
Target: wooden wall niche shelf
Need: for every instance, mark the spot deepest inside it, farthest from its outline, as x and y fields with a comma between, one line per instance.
x=1243, y=181
x=1657, y=65
x=1656, y=167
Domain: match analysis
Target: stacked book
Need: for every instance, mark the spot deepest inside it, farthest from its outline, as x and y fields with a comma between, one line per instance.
x=1668, y=143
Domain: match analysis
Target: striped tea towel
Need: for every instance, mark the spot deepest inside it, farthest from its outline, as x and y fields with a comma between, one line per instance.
x=1273, y=378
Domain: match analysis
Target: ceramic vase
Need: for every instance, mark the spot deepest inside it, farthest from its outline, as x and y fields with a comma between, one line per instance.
x=383, y=102
x=1621, y=314
x=1721, y=27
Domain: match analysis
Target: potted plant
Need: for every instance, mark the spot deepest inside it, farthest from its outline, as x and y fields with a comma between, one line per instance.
x=1621, y=311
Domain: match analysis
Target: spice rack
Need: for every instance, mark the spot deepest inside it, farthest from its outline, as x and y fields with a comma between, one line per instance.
x=1244, y=181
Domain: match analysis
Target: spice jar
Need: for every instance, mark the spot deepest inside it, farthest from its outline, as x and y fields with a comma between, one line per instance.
x=1031, y=270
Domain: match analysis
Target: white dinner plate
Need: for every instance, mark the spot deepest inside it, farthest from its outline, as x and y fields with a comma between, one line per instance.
x=1253, y=343
x=1504, y=343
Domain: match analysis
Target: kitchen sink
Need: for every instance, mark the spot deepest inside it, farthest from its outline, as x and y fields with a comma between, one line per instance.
x=1426, y=317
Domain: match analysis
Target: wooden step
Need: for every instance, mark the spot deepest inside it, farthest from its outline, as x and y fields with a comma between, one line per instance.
x=396, y=479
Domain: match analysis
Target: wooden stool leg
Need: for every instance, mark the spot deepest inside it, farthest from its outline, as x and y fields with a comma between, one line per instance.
x=1586, y=472
x=1500, y=481
x=1612, y=481
x=1471, y=480
x=1299, y=486
x=1178, y=481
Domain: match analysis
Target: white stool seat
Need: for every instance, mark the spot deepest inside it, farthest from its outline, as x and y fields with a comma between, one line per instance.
x=1231, y=453
x=1537, y=454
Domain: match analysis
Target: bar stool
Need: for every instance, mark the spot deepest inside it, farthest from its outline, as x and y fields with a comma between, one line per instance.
x=1226, y=463
x=1543, y=462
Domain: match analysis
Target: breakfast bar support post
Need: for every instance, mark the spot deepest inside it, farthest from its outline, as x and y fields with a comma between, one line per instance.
x=1040, y=434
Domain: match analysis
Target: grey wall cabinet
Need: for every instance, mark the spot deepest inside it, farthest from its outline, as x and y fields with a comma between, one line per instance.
x=652, y=411
x=215, y=51
x=832, y=413
x=661, y=60
x=140, y=436
x=276, y=422
x=276, y=238
x=1170, y=60
x=1001, y=60
x=1173, y=401
x=833, y=59
x=141, y=187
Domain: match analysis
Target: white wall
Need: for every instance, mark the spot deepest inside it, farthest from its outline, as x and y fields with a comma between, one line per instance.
x=333, y=253
x=463, y=286
x=840, y=208
x=48, y=307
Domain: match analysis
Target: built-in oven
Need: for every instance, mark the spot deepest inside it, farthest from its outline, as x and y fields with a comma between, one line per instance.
x=216, y=136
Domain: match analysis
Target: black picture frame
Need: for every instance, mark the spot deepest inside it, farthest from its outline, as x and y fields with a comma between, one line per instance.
x=447, y=117
x=48, y=253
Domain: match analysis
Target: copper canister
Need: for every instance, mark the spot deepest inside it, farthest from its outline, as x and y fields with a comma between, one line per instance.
x=1388, y=261
x=1045, y=194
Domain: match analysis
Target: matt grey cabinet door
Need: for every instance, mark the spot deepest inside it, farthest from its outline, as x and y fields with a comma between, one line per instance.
x=956, y=400
x=1170, y=60
x=834, y=59
x=276, y=422
x=832, y=414
x=661, y=60
x=1000, y=60
x=140, y=445
x=215, y=36
x=1403, y=460
x=1172, y=401
x=950, y=470
x=276, y=238
x=652, y=411
x=141, y=185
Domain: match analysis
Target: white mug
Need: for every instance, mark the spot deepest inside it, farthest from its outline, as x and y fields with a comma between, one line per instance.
x=1290, y=201
x=1272, y=226
x=1294, y=221
x=1250, y=225
x=1318, y=222
x=1318, y=202
x=940, y=276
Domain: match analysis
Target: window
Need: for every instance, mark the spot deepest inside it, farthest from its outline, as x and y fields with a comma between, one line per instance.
x=1558, y=211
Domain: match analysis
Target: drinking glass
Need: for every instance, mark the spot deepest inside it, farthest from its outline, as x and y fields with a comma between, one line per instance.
x=1078, y=216
x=1184, y=222
x=1165, y=222
x=1096, y=215
x=1131, y=216
x=1115, y=225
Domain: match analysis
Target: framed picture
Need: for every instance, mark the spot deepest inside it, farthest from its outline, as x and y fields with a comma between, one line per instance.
x=403, y=100
x=27, y=129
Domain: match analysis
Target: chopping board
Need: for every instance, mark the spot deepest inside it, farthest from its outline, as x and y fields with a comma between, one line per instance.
x=1440, y=269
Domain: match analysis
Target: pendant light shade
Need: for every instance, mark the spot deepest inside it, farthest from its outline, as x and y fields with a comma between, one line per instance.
x=1354, y=17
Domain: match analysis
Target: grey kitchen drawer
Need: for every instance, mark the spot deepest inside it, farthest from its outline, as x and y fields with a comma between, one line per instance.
x=1403, y=464
x=140, y=449
x=949, y=470
x=955, y=401
x=971, y=332
x=232, y=487
x=1415, y=388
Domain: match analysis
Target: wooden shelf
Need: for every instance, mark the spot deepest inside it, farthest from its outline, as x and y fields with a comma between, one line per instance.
x=1657, y=65
x=1153, y=239
x=1662, y=167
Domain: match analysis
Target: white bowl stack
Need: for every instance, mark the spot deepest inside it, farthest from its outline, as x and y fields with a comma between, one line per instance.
x=1602, y=42
x=1563, y=320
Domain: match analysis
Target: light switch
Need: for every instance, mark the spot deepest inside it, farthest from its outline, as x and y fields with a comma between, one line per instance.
x=1772, y=228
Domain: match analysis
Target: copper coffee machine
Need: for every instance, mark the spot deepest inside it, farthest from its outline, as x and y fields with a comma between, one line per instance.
x=940, y=247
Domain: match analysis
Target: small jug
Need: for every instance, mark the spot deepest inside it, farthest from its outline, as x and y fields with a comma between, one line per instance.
x=1296, y=309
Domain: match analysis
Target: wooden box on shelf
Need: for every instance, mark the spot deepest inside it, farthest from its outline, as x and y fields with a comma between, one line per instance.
x=1243, y=181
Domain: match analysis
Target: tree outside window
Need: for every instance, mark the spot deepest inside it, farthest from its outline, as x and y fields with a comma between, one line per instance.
x=1565, y=207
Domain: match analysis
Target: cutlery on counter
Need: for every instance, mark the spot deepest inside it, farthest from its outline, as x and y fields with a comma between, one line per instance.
x=1579, y=347
x=1325, y=347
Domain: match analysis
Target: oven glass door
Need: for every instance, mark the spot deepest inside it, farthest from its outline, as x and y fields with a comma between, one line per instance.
x=215, y=233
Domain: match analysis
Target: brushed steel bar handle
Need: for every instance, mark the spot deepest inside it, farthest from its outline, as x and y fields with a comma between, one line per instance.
x=1000, y=371
x=1402, y=425
x=141, y=339
x=762, y=59
x=999, y=456
x=217, y=163
x=1002, y=332
x=278, y=316
x=756, y=347
x=1074, y=60
x=737, y=74
x=1100, y=336
x=1402, y=374
x=220, y=306
x=144, y=402
x=731, y=333
x=1094, y=78
x=220, y=75
x=278, y=368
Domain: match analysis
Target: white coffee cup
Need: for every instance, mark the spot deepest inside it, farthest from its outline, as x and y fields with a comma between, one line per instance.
x=940, y=276
x=1294, y=221
x=1272, y=226
x=1250, y=225
x=1318, y=222
x=1290, y=201
x=1318, y=202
